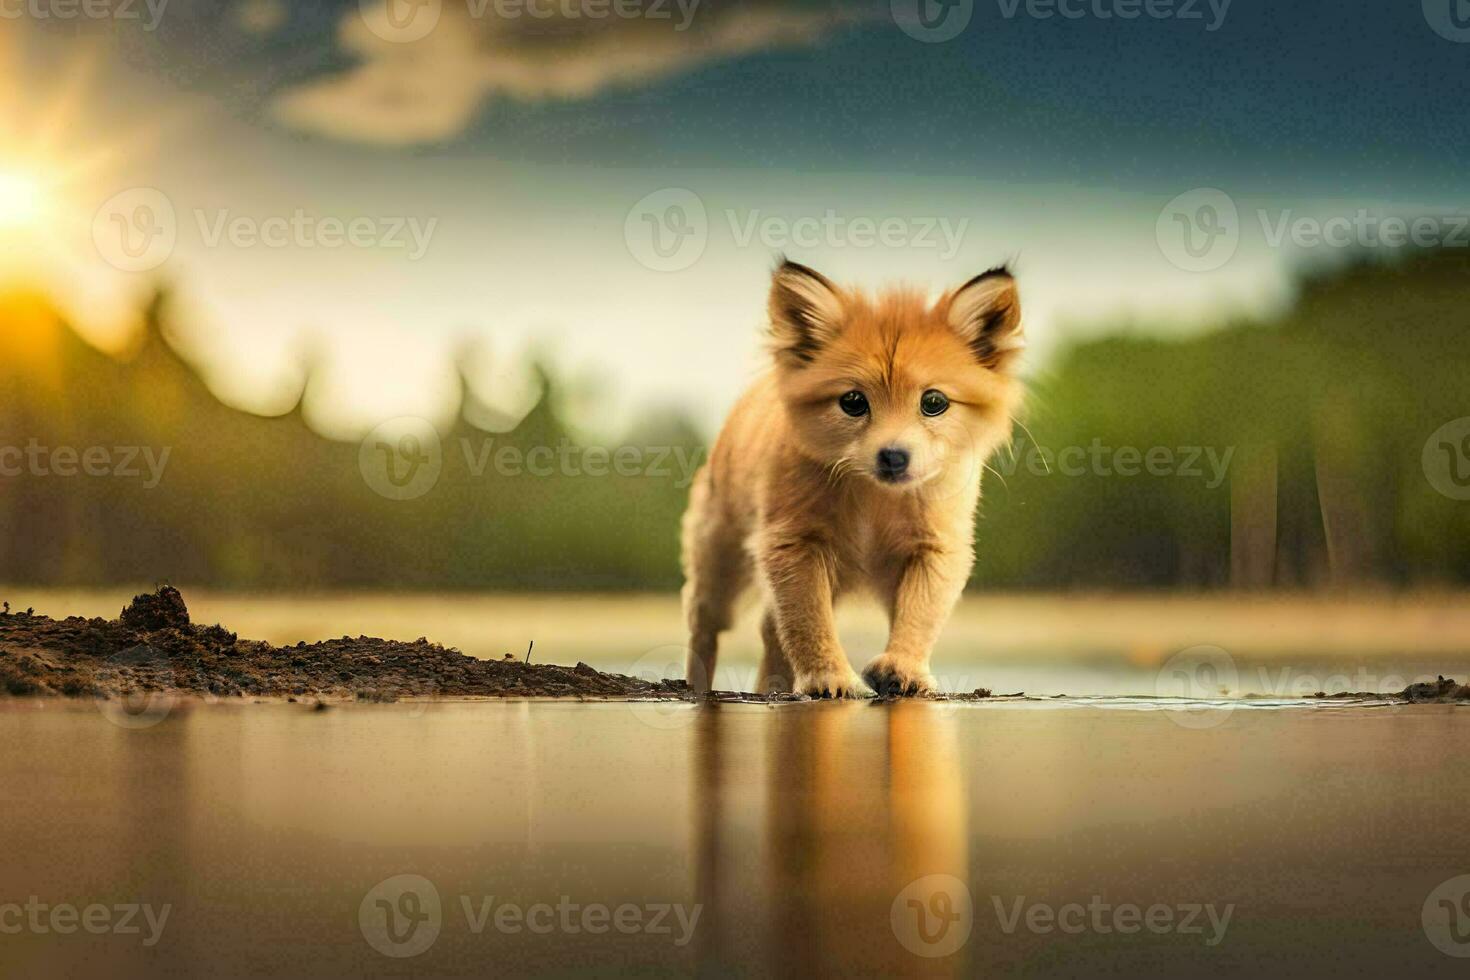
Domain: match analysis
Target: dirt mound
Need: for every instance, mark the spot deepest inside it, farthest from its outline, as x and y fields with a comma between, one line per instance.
x=154, y=646
x=1445, y=690
x=159, y=610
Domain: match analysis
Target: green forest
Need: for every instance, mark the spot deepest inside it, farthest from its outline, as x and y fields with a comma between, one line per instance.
x=1282, y=454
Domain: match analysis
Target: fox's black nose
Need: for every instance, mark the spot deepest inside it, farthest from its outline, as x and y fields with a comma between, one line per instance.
x=892, y=463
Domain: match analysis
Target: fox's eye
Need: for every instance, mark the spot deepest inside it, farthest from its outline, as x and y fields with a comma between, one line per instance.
x=933, y=403
x=854, y=403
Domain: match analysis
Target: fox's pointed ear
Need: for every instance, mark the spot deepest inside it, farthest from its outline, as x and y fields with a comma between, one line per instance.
x=986, y=313
x=806, y=311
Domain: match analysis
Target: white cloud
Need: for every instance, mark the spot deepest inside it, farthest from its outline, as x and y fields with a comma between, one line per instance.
x=403, y=92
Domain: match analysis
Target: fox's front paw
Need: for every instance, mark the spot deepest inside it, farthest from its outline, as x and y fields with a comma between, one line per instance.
x=836, y=681
x=891, y=676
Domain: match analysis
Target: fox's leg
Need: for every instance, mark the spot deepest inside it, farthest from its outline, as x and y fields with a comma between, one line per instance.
x=921, y=593
x=775, y=675
x=802, y=580
x=716, y=573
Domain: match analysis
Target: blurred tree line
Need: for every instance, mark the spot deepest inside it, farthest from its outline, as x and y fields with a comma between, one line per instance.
x=1281, y=454
x=1325, y=416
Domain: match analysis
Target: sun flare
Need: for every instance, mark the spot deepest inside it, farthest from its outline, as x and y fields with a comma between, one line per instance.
x=59, y=163
x=23, y=200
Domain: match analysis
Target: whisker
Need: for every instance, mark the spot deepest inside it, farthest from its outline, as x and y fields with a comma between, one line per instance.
x=1034, y=444
x=838, y=469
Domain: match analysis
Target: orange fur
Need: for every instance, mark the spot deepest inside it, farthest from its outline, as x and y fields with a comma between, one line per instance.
x=795, y=501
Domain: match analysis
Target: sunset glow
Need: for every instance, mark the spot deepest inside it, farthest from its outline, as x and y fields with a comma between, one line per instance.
x=22, y=200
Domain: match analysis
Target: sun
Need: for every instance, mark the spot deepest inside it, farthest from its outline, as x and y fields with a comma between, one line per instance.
x=60, y=160
x=23, y=200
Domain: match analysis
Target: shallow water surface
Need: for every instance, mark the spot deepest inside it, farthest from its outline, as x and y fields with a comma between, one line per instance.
x=1025, y=838
x=1229, y=645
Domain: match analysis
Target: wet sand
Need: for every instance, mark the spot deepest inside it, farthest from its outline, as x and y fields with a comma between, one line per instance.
x=271, y=829
x=611, y=631
x=1279, y=646
x=154, y=647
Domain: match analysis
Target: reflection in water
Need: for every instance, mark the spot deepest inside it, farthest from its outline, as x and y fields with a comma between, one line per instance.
x=714, y=944
x=802, y=827
x=852, y=814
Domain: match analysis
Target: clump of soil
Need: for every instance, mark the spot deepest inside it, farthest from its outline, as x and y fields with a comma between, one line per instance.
x=1443, y=691
x=159, y=610
x=154, y=646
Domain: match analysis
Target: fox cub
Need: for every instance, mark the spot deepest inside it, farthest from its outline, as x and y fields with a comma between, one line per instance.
x=854, y=462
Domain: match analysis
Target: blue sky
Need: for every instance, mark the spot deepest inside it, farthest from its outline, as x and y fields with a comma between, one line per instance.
x=532, y=153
